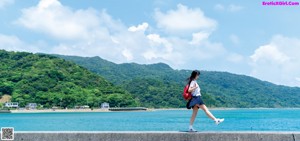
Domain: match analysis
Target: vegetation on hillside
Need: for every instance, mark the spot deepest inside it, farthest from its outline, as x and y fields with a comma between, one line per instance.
x=158, y=85
x=51, y=81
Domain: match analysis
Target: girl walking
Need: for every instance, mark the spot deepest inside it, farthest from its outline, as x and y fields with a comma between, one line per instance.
x=196, y=102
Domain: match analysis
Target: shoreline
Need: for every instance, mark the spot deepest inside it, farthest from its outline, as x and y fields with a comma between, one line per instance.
x=219, y=108
x=59, y=110
x=106, y=110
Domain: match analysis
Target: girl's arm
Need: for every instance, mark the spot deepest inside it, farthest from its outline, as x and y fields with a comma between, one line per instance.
x=192, y=88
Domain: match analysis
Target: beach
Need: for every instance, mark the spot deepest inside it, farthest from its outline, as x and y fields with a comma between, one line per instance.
x=57, y=110
x=70, y=110
x=107, y=110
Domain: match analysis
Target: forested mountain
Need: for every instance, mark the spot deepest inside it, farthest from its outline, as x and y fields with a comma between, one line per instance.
x=158, y=85
x=52, y=81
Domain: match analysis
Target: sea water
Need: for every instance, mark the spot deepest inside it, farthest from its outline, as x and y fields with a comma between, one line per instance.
x=157, y=120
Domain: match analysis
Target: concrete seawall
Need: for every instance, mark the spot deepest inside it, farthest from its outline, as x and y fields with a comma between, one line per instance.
x=154, y=136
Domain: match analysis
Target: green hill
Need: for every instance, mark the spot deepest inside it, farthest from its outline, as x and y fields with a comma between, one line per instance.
x=51, y=81
x=158, y=85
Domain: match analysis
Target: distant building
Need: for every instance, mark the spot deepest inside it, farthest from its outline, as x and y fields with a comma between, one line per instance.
x=85, y=107
x=82, y=107
x=11, y=105
x=31, y=106
x=104, y=105
x=54, y=108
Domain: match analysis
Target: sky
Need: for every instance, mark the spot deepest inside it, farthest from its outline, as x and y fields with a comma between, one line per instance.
x=241, y=37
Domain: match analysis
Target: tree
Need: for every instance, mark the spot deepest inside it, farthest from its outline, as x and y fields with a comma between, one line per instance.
x=6, y=89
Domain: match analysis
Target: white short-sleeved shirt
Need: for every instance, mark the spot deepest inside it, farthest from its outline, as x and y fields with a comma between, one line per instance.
x=196, y=92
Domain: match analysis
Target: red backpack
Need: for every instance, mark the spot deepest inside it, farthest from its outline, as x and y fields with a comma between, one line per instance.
x=186, y=94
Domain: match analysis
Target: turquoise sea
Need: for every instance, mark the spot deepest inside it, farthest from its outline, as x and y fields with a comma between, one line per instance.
x=159, y=120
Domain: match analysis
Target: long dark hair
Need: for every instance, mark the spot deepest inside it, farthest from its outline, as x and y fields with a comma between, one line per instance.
x=193, y=76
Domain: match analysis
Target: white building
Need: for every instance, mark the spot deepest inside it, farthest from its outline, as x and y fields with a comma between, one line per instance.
x=31, y=106
x=11, y=105
x=104, y=105
x=82, y=107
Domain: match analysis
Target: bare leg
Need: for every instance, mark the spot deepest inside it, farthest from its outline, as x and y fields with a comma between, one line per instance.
x=207, y=112
x=195, y=111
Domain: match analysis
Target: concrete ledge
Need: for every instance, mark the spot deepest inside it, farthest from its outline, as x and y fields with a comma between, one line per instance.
x=155, y=136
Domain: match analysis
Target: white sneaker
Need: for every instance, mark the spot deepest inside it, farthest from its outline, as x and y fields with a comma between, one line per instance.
x=192, y=130
x=218, y=120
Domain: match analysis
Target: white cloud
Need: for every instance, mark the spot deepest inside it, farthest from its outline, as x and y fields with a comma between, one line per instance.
x=234, y=39
x=89, y=32
x=155, y=38
x=229, y=8
x=114, y=40
x=127, y=54
x=199, y=37
x=269, y=53
x=297, y=79
x=61, y=22
x=4, y=3
x=158, y=48
x=10, y=43
x=83, y=32
x=13, y=43
x=141, y=27
x=184, y=20
x=278, y=61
